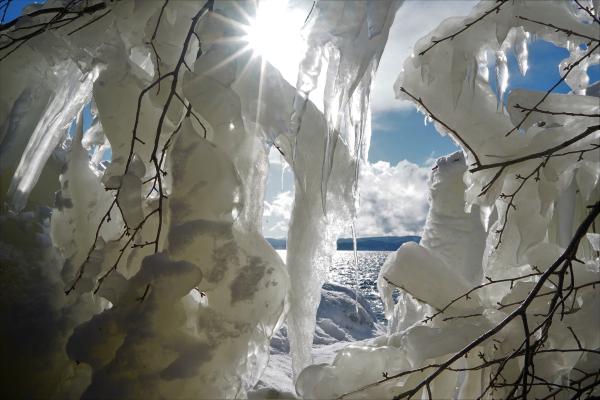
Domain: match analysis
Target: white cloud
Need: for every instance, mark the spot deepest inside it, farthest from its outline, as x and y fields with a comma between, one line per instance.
x=414, y=20
x=393, y=201
x=275, y=157
x=276, y=216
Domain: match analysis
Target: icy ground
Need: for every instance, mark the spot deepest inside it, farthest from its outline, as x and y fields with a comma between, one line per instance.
x=337, y=324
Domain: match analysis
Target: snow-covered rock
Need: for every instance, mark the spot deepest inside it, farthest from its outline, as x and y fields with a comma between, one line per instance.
x=339, y=319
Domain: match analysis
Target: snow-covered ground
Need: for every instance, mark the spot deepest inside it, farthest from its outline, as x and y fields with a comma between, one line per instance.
x=339, y=321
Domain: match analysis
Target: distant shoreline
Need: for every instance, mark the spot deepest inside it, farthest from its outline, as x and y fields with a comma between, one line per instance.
x=378, y=243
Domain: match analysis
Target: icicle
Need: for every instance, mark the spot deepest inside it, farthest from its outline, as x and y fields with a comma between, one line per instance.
x=472, y=73
x=594, y=239
x=565, y=208
x=70, y=98
x=485, y=212
x=501, y=76
x=356, y=274
x=482, y=66
x=521, y=52
x=331, y=139
x=310, y=68
x=283, y=168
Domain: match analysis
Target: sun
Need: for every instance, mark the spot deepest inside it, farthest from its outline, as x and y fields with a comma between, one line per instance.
x=275, y=34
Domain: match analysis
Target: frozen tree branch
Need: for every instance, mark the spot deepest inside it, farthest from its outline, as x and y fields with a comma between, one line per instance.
x=588, y=10
x=155, y=159
x=454, y=132
x=61, y=16
x=567, y=32
x=568, y=69
x=532, y=343
x=549, y=112
x=435, y=42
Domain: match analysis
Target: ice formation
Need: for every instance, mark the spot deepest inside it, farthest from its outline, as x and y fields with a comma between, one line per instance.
x=525, y=225
x=150, y=277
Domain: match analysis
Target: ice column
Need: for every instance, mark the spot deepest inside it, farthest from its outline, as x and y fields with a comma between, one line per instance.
x=349, y=38
x=71, y=96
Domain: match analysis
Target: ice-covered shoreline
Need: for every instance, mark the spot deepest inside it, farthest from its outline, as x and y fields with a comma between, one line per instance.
x=338, y=324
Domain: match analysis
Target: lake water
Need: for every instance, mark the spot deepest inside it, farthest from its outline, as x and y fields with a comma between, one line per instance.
x=342, y=272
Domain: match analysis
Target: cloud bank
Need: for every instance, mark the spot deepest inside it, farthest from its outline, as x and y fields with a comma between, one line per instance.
x=393, y=201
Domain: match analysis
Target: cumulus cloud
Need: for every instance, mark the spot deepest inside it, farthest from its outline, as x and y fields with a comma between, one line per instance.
x=412, y=22
x=276, y=215
x=393, y=201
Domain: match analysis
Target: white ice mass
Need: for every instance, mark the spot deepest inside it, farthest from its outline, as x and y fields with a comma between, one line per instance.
x=132, y=260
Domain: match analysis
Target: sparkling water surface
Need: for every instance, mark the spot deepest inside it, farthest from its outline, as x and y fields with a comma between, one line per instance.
x=342, y=272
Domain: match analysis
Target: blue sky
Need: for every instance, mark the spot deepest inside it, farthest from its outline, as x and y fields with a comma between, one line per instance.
x=399, y=136
x=15, y=7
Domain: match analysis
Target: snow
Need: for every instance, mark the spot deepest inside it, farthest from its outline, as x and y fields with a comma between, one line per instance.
x=337, y=324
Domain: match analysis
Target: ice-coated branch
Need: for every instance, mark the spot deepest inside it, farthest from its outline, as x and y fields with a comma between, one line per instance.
x=564, y=76
x=155, y=159
x=568, y=32
x=566, y=257
x=60, y=11
x=489, y=282
x=545, y=155
x=435, y=42
x=540, y=154
x=532, y=344
x=81, y=270
x=588, y=10
x=151, y=43
x=550, y=112
x=523, y=311
x=175, y=76
x=576, y=288
x=90, y=22
x=466, y=145
x=511, y=198
x=131, y=235
x=61, y=16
